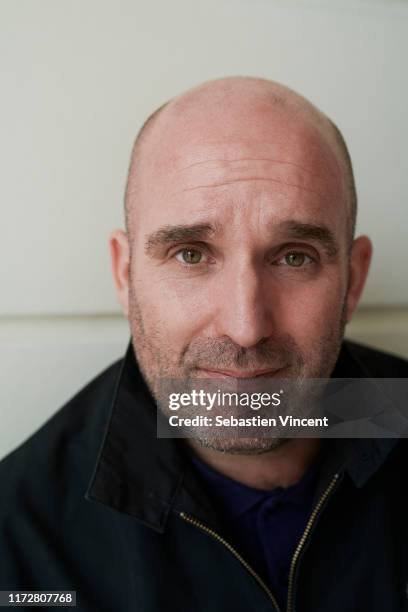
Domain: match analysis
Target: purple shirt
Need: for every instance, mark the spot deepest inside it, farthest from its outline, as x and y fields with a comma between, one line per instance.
x=264, y=526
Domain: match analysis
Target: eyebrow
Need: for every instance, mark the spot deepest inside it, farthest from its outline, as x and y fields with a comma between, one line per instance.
x=169, y=234
x=309, y=231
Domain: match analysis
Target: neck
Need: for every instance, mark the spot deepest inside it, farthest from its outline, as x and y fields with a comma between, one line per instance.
x=280, y=467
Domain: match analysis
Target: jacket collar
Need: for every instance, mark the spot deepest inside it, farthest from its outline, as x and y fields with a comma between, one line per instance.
x=148, y=477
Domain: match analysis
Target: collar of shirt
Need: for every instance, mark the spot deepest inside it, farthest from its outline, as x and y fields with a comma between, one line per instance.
x=237, y=498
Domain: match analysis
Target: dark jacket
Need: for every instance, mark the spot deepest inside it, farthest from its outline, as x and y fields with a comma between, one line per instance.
x=93, y=502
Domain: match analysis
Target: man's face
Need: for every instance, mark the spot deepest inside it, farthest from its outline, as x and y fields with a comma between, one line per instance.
x=239, y=260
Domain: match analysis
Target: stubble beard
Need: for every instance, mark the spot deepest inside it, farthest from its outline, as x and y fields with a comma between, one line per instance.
x=157, y=362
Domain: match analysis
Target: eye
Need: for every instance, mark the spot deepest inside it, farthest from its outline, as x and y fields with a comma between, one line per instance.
x=189, y=256
x=296, y=259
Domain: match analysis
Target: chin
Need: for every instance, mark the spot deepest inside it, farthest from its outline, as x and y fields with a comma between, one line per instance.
x=242, y=446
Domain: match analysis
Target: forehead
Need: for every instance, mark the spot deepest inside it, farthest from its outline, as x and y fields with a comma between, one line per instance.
x=282, y=168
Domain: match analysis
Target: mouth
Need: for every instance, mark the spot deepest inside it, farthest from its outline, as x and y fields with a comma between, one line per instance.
x=209, y=373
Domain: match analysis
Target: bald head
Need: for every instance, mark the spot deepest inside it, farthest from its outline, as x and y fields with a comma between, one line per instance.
x=231, y=109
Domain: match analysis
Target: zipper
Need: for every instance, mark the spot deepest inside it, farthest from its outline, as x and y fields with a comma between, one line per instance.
x=296, y=554
x=304, y=537
x=216, y=536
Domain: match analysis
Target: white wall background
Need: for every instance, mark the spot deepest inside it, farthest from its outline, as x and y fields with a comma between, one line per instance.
x=78, y=78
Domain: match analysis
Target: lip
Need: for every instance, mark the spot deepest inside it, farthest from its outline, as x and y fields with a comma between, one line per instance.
x=238, y=373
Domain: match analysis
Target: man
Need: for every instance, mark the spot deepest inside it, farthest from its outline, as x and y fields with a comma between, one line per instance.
x=238, y=261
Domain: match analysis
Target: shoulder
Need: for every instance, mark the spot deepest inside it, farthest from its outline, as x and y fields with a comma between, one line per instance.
x=376, y=363
x=371, y=362
x=64, y=449
x=43, y=484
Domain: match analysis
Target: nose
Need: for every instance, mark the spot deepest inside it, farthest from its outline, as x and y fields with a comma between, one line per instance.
x=244, y=312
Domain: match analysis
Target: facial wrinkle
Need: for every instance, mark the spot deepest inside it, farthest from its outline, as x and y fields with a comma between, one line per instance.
x=263, y=159
x=251, y=179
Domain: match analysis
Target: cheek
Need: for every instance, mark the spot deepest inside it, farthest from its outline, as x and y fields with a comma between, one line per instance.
x=170, y=309
x=312, y=311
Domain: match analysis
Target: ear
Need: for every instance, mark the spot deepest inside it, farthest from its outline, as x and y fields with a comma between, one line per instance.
x=120, y=259
x=360, y=259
